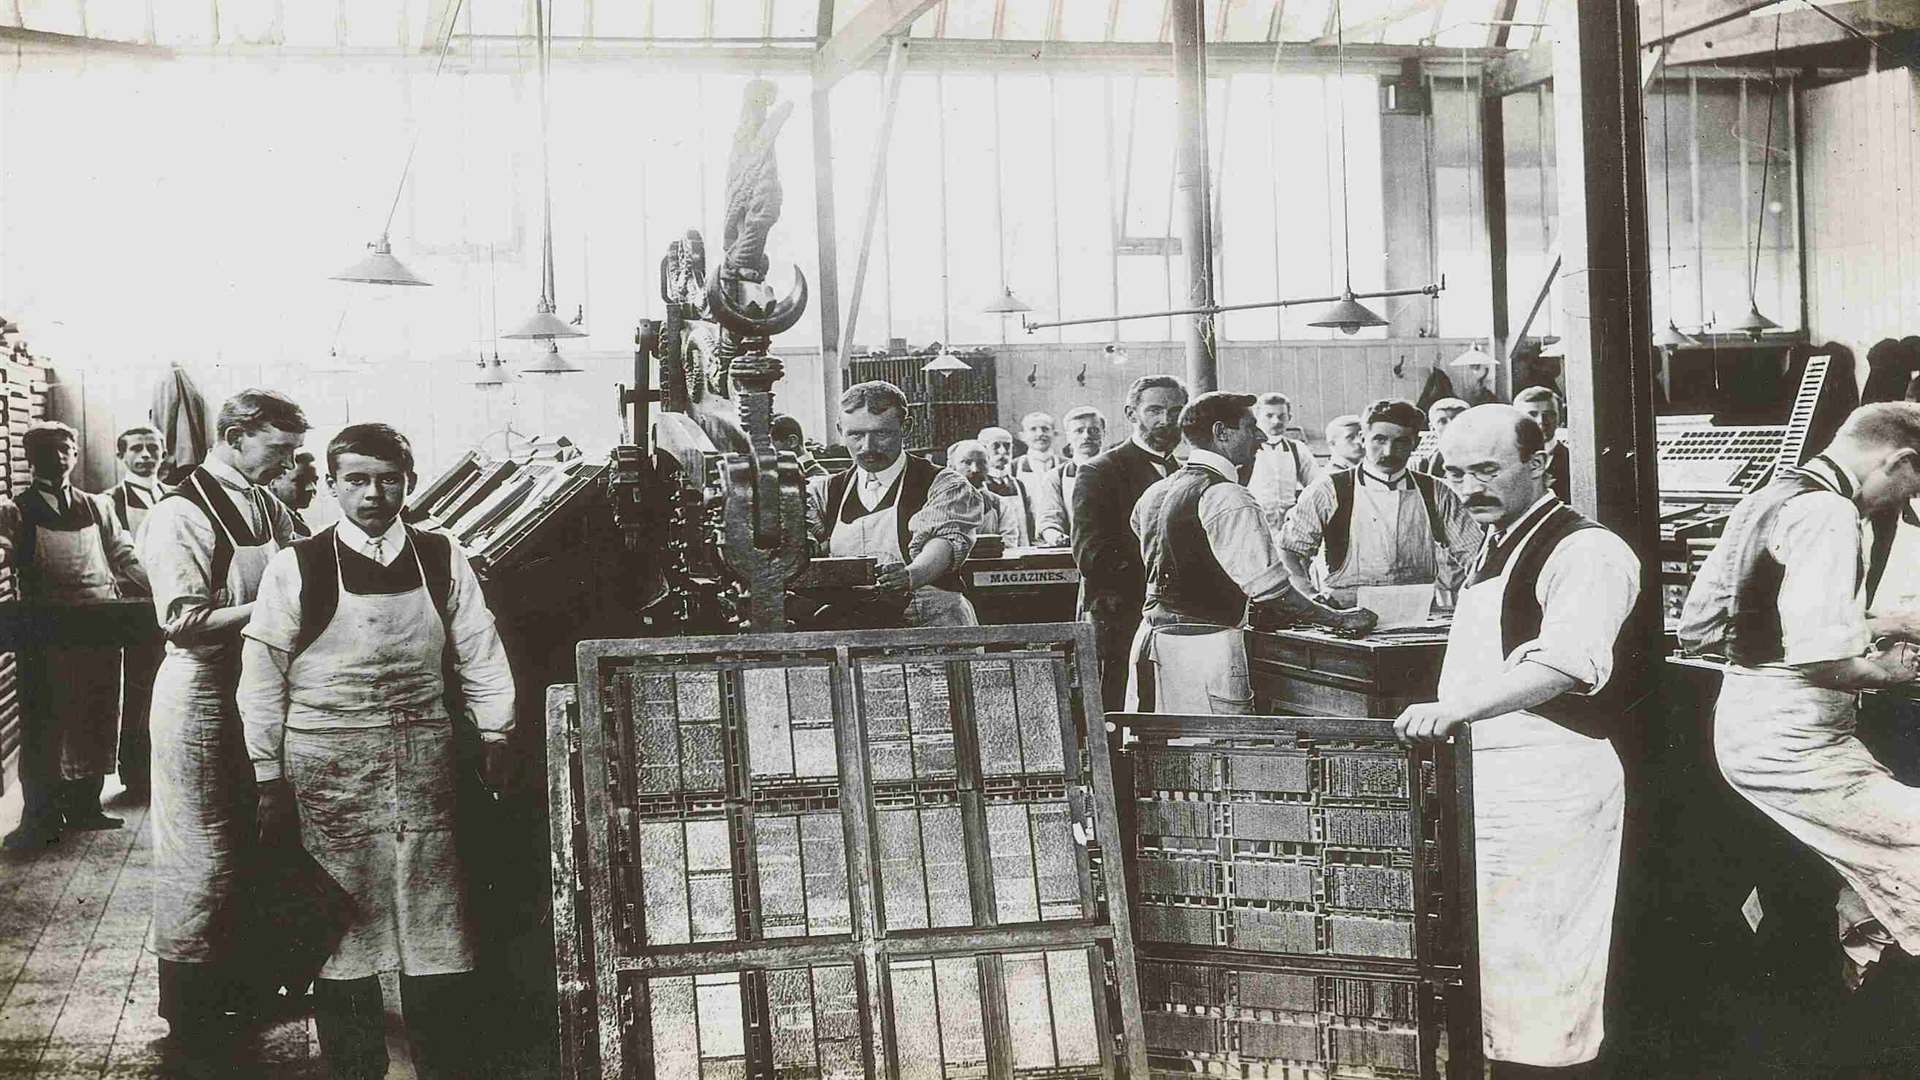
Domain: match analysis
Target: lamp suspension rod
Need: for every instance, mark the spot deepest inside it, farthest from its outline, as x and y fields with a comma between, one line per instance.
x=1766, y=171
x=546, y=166
x=446, y=45
x=1215, y=309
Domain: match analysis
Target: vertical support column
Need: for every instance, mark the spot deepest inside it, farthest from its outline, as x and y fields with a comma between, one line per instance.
x=1192, y=189
x=827, y=270
x=1406, y=172
x=1605, y=287
x=1493, y=206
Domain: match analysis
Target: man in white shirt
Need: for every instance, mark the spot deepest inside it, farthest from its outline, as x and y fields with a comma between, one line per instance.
x=344, y=699
x=1284, y=466
x=140, y=450
x=1037, y=431
x=296, y=488
x=1209, y=555
x=1543, y=405
x=1017, y=523
x=1539, y=662
x=1052, y=492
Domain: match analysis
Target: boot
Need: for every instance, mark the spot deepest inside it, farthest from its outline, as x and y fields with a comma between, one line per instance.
x=1291, y=609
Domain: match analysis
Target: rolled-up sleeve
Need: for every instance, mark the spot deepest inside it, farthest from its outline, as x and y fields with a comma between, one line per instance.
x=1586, y=590
x=1242, y=543
x=176, y=547
x=954, y=512
x=1816, y=539
x=265, y=656
x=1308, y=521
x=486, y=678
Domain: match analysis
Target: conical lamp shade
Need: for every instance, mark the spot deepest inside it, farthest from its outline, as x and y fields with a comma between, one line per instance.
x=1007, y=304
x=1670, y=337
x=380, y=268
x=492, y=373
x=1473, y=357
x=1753, y=324
x=946, y=361
x=1347, y=315
x=552, y=363
x=544, y=324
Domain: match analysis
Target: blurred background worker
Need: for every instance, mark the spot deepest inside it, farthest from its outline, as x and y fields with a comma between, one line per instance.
x=1284, y=466
x=1439, y=415
x=68, y=547
x=789, y=436
x=1086, y=436
x=1017, y=524
x=295, y=489
x=357, y=637
x=1543, y=405
x=1038, y=432
x=139, y=450
x=1344, y=446
x=968, y=459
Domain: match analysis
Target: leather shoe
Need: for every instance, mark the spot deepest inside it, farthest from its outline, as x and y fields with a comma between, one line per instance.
x=31, y=836
x=94, y=822
x=1290, y=609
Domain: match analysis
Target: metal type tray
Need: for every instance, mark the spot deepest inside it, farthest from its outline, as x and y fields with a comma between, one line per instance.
x=1303, y=898
x=840, y=855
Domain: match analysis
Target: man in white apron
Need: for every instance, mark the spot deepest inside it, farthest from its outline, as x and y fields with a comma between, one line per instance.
x=343, y=694
x=1017, y=524
x=1530, y=664
x=205, y=546
x=1208, y=554
x=1782, y=599
x=1052, y=490
x=916, y=519
x=295, y=489
x=140, y=450
x=1037, y=430
x=67, y=547
x=1380, y=523
x=1284, y=467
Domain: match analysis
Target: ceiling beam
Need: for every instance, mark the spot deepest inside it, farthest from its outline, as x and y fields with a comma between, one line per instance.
x=1402, y=10
x=859, y=40
x=1753, y=39
x=1675, y=19
x=21, y=39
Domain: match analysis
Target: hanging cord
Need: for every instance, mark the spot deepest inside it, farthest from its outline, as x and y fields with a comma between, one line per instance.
x=446, y=45
x=1340, y=60
x=1766, y=169
x=1666, y=162
x=545, y=45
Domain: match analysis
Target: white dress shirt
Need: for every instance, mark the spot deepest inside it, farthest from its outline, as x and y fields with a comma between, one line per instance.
x=382, y=549
x=1236, y=530
x=872, y=488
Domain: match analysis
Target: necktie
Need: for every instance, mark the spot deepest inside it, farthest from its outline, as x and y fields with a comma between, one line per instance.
x=62, y=500
x=1484, y=567
x=1169, y=465
x=379, y=543
x=871, y=492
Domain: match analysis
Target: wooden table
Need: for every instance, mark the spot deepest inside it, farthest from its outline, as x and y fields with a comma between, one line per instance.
x=1315, y=673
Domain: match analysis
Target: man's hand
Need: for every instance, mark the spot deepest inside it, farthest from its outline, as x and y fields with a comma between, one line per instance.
x=279, y=815
x=1431, y=721
x=496, y=761
x=894, y=578
x=1053, y=538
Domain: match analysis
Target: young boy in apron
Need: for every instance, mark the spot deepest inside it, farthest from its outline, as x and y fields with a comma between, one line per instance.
x=205, y=546
x=343, y=694
x=1531, y=663
x=67, y=548
x=139, y=449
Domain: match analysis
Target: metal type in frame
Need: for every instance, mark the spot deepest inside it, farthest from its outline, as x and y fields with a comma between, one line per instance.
x=1303, y=898
x=838, y=854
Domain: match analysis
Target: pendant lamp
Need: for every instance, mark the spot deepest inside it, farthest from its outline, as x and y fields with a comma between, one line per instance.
x=492, y=374
x=945, y=362
x=1475, y=356
x=1007, y=304
x=543, y=324
x=552, y=363
x=1753, y=324
x=1346, y=314
x=1670, y=337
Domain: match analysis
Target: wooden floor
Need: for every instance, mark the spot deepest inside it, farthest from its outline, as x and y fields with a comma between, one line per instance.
x=77, y=985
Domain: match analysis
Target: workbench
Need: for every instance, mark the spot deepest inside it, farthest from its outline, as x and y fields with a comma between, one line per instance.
x=1026, y=585
x=1317, y=673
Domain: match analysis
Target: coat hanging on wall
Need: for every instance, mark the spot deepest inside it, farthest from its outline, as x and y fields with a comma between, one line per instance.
x=181, y=415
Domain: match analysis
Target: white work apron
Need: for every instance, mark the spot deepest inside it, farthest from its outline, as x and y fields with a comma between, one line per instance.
x=1390, y=541
x=1789, y=748
x=877, y=536
x=369, y=752
x=1547, y=814
x=202, y=780
x=1195, y=668
x=1013, y=517
x=78, y=687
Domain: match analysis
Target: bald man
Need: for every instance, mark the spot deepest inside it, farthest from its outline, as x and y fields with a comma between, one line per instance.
x=1531, y=656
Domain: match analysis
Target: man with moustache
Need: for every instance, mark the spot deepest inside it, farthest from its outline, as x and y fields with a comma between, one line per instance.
x=1113, y=583
x=205, y=546
x=1016, y=504
x=343, y=695
x=915, y=519
x=1534, y=665
x=1086, y=429
x=295, y=489
x=1379, y=523
x=1284, y=467
x=1037, y=431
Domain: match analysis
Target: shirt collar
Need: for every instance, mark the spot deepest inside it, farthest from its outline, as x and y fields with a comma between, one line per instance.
x=885, y=476
x=220, y=470
x=1150, y=451
x=145, y=483
x=1525, y=521
x=51, y=487
x=1367, y=475
x=352, y=535
x=1207, y=459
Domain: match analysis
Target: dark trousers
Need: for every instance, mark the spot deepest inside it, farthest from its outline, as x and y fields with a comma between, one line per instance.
x=46, y=799
x=139, y=664
x=442, y=1031
x=1507, y=1070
